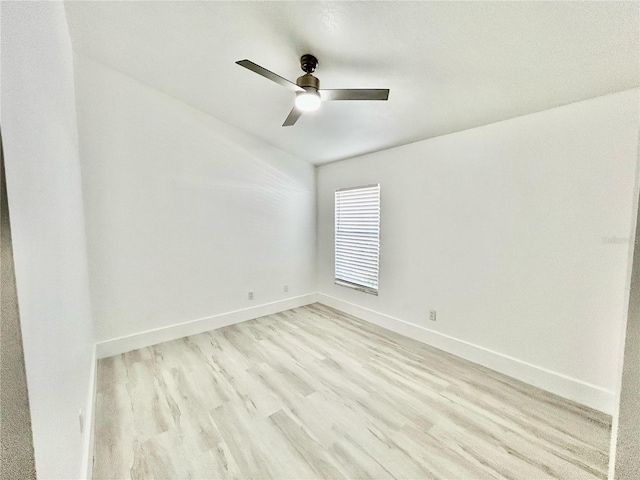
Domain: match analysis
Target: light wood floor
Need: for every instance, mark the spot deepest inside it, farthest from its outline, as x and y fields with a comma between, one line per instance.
x=315, y=393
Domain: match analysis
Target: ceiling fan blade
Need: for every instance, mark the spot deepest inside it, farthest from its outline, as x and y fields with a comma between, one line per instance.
x=355, y=94
x=254, y=67
x=293, y=117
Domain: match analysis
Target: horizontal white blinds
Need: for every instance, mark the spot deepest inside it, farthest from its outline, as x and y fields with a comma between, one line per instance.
x=358, y=236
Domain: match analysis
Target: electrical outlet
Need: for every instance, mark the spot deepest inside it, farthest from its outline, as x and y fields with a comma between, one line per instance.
x=81, y=420
x=432, y=315
x=286, y=288
x=250, y=295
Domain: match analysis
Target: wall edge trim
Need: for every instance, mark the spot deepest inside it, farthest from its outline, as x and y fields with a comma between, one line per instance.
x=147, y=338
x=557, y=383
x=89, y=419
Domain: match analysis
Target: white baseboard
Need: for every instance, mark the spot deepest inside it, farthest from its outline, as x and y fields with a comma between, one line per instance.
x=87, y=449
x=554, y=382
x=193, y=327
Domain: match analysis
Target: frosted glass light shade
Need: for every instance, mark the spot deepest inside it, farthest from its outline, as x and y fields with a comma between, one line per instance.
x=308, y=102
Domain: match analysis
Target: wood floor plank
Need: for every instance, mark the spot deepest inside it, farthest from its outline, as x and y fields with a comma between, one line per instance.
x=315, y=393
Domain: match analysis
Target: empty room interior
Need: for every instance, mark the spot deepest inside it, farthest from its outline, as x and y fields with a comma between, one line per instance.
x=320, y=240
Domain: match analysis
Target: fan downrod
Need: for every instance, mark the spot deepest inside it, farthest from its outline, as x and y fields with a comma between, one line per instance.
x=308, y=63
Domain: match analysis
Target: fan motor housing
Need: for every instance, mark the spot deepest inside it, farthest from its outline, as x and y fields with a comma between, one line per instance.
x=308, y=81
x=308, y=64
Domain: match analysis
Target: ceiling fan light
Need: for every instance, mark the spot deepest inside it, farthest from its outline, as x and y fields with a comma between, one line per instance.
x=308, y=101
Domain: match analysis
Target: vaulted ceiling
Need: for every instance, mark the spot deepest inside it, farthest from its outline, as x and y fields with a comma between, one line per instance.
x=450, y=65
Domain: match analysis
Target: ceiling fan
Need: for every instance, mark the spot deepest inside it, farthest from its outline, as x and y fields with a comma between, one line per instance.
x=307, y=88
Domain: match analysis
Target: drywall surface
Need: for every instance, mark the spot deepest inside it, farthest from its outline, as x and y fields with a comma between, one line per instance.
x=516, y=233
x=45, y=202
x=185, y=215
x=627, y=452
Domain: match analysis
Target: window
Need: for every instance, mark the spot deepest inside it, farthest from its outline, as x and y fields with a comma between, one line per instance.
x=358, y=237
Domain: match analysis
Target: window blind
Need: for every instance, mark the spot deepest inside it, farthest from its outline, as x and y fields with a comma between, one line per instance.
x=357, y=242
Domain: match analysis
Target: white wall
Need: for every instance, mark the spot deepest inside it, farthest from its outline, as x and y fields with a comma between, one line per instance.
x=45, y=201
x=184, y=213
x=502, y=229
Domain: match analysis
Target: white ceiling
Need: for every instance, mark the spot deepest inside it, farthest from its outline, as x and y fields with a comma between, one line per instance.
x=450, y=65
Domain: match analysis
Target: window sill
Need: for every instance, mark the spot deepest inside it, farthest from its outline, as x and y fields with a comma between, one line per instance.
x=361, y=288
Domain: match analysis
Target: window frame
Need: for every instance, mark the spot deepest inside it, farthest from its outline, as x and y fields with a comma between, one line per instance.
x=346, y=283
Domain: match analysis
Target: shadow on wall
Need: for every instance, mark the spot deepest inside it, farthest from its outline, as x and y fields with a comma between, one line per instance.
x=16, y=441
